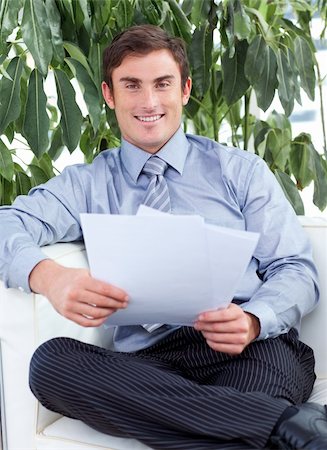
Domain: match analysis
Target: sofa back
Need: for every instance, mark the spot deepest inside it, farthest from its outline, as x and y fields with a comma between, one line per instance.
x=314, y=325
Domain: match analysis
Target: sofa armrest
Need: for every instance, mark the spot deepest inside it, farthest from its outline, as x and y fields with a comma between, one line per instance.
x=27, y=320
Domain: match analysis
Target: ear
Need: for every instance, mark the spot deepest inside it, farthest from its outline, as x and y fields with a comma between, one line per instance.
x=187, y=91
x=108, y=95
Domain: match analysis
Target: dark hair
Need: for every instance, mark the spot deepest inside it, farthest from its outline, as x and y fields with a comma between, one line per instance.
x=141, y=40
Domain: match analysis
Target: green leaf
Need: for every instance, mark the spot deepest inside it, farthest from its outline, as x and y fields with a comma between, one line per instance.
x=320, y=182
x=278, y=142
x=10, y=132
x=123, y=12
x=260, y=133
x=242, y=22
x=181, y=21
x=71, y=116
x=36, y=123
x=84, y=7
x=18, y=123
x=112, y=121
x=6, y=191
x=6, y=162
x=295, y=74
x=36, y=33
x=95, y=59
x=68, y=7
x=286, y=89
x=307, y=165
x=54, y=21
x=264, y=26
x=8, y=20
x=150, y=10
x=304, y=62
x=45, y=163
x=76, y=53
x=228, y=29
x=200, y=11
x=9, y=94
x=2, y=69
x=255, y=59
x=23, y=183
x=200, y=58
x=88, y=143
x=290, y=191
x=38, y=176
x=89, y=90
x=235, y=84
x=266, y=85
x=302, y=160
x=301, y=5
x=101, y=15
x=57, y=144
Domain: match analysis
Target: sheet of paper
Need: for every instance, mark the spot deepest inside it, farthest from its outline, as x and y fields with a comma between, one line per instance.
x=173, y=267
x=229, y=253
x=158, y=260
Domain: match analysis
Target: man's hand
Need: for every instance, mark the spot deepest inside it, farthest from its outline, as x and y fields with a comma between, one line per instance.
x=228, y=330
x=75, y=294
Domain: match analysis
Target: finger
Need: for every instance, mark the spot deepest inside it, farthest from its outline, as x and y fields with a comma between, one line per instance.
x=222, y=315
x=87, y=321
x=93, y=311
x=231, y=349
x=233, y=326
x=105, y=289
x=93, y=298
x=226, y=338
x=98, y=301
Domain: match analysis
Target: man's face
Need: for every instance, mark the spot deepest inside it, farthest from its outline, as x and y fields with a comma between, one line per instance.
x=148, y=98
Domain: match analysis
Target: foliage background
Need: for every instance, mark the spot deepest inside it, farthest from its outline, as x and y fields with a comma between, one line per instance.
x=241, y=52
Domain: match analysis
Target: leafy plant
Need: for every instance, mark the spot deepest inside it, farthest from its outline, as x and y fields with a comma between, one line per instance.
x=240, y=51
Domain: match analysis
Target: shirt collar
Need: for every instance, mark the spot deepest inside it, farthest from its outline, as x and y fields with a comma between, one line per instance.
x=174, y=152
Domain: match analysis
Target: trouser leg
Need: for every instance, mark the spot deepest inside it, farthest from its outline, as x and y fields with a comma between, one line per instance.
x=139, y=397
x=282, y=367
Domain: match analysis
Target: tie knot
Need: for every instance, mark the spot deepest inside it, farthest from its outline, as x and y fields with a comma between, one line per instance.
x=154, y=166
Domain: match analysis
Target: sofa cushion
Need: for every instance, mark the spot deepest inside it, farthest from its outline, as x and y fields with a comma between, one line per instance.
x=74, y=433
x=65, y=432
x=319, y=393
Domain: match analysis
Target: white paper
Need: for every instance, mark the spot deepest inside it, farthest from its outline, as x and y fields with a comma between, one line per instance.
x=172, y=267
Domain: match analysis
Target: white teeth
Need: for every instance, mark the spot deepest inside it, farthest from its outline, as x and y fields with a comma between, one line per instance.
x=149, y=118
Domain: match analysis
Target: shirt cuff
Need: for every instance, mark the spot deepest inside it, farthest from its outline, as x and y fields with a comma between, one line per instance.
x=22, y=265
x=267, y=318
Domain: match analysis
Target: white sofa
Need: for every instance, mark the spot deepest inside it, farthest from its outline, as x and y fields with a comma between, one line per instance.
x=28, y=320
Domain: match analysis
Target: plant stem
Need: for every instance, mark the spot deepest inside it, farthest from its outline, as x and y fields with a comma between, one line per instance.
x=322, y=112
x=201, y=104
x=246, y=120
x=214, y=108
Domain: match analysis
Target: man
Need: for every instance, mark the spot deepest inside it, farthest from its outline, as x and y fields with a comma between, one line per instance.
x=239, y=378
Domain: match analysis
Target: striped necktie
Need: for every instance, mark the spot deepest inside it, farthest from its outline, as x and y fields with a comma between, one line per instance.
x=157, y=196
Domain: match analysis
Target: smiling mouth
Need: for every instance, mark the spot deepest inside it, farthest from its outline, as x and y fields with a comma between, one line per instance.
x=149, y=118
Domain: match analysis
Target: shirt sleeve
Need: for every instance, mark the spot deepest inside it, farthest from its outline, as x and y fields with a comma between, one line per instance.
x=285, y=265
x=49, y=214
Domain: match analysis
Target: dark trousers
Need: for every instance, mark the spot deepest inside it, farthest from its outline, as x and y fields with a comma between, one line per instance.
x=177, y=394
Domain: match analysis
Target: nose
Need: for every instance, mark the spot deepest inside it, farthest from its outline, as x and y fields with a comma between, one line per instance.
x=149, y=98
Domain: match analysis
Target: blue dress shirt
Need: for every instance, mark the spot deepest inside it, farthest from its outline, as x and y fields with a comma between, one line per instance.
x=227, y=186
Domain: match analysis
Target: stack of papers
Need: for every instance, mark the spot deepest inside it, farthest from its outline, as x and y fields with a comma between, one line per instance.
x=172, y=267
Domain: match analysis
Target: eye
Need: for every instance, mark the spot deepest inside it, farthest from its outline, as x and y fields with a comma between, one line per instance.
x=163, y=84
x=131, y=86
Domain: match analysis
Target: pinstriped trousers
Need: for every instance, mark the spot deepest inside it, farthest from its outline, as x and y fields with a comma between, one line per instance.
x=179, y=393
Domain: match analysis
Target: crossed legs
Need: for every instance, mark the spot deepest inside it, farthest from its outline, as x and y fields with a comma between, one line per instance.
x=178, y=394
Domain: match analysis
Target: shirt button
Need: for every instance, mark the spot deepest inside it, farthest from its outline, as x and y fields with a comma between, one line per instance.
x=21, y=289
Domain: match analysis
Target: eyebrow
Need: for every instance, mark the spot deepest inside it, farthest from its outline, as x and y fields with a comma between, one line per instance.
x=137, y=80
